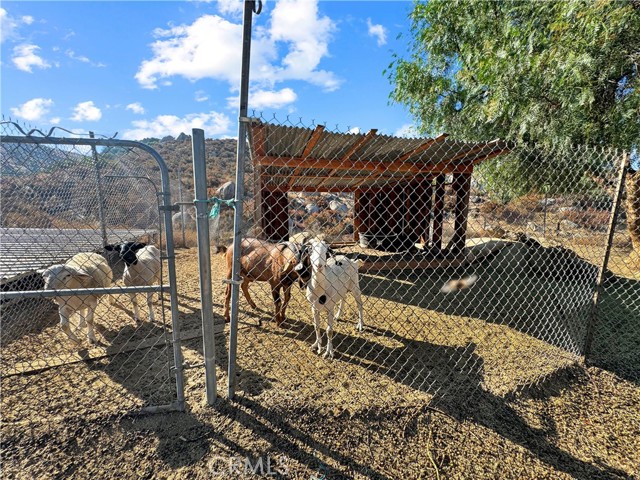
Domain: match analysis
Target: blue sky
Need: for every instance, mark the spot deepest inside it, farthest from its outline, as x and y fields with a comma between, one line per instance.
x=156, y=68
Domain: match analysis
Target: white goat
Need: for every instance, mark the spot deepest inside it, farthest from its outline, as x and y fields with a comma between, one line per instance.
x=331, y=280
x=144, y=270
x=83, y=270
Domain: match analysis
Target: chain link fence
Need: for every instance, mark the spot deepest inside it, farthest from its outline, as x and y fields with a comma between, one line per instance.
x=479, y=265
x=60, y=197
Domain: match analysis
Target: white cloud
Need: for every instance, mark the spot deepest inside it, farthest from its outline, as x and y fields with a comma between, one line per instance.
x=267, y=98
x=213, y=123
x=296, y=22
x=232, y=7
x=377, y=31
x=34, y=109
x=188, y=51
x=210, y=48
x=81, y=58
x=25, y=58
x=136, y=108
x=354, y=130
x=55, y=120
x=201, y=96
x=86, y=111
x=408, y=131
x=8, y=25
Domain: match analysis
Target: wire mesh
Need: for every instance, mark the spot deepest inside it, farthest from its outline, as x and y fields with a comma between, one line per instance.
x=478, y=264
x=58, y=201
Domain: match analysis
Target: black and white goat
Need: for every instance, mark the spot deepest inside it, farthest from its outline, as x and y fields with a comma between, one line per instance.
x=142, y=267
x=331, y=279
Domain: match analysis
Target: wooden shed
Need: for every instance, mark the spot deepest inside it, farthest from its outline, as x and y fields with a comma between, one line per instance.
x=398, y=183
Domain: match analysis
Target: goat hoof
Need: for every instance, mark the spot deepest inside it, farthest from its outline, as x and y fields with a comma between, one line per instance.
x=328, y=355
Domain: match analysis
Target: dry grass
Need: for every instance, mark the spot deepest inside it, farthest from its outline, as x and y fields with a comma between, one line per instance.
x=433, y=386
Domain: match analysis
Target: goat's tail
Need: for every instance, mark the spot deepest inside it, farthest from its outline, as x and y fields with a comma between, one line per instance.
x=221, y=248
x=459, y=284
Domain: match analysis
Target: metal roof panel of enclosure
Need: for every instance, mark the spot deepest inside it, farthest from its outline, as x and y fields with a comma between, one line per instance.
x=313, y=159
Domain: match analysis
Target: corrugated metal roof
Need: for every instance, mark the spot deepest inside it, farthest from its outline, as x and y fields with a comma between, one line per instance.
x=296, y=158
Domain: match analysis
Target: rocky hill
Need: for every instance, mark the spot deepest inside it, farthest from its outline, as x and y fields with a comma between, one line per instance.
x=176, y=152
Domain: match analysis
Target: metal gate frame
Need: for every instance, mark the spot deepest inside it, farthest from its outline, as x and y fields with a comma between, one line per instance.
x=164, y=207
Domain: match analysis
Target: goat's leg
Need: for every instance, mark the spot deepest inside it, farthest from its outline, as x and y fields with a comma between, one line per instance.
x=277, y=301
x=245, y=290
x=64, y=324
x=82, y=320
x=150, y=305
x=90, y=332
x=316, y=322
x=329, y=352
x=136, y=310
x=357, y=295
x=340, y=304
x=285, y=302
x=227, y=299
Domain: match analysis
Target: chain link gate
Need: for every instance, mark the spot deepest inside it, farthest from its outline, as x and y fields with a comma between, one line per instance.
x=62, y=196
x=478, y=266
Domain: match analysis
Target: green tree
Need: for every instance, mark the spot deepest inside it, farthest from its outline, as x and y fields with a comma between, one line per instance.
x=556, y=73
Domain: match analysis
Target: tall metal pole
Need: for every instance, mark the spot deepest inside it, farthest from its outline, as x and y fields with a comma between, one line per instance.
x=204, y=258
x=249, y=8
x=101, y=214
x=591, y=325
x=184, y=240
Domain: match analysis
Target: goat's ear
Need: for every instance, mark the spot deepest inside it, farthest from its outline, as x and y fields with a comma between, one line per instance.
x=137, y=246
x=286, y=266
x=111, y=248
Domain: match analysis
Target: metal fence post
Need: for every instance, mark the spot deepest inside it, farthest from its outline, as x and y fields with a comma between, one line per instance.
x=182, y=212
x=624, y=165
x=101, y=214
x=249, y=9
x=204, y=259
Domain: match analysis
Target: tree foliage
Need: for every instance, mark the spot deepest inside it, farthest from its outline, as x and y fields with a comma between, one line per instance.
x=552, y=72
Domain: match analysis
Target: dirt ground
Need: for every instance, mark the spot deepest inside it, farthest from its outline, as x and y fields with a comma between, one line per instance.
x=433, y=388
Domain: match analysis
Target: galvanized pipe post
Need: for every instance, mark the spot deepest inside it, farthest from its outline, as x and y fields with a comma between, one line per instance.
x=615, y=208
x=101, y=214
x=249, y=9
x=204, y=259
x=182, y=213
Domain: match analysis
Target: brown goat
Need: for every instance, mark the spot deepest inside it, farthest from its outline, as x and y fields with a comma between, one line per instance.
x=279, y=264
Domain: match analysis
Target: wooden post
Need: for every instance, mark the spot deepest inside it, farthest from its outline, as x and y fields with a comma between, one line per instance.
x=275, y=215
x=615, y=208
x=462, y=188
x=428, y=205
x=358, y=213
x=438, y=212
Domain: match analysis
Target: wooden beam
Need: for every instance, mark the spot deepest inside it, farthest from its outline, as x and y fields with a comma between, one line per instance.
x=415, y=151
x=259, y=140
x=311, y=143
x=474, y=150
x=423, y=147
x=355, y=147
x=476, y=161
x=369, y=166
x=359, y=144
